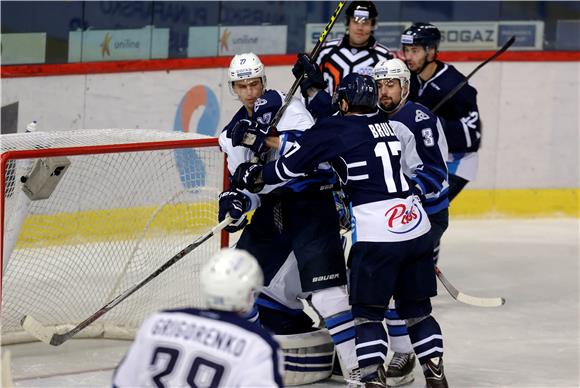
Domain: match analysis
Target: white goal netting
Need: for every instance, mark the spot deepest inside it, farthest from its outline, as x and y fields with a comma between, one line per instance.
x=128, y=202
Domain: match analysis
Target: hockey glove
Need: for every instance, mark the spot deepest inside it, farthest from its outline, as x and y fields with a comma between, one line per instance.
x=313, y=77
x=248, y=176
x=249, y=134
x=235, y=204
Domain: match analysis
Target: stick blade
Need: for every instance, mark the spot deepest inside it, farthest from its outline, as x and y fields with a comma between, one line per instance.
x=35, y=328
x=480, y=302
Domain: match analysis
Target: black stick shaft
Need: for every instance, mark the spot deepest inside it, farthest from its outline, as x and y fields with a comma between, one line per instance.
x=58, y=339
x=462, y=83
x=313, y=54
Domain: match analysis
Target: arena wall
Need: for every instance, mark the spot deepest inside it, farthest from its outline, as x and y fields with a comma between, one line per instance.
x=529, y=163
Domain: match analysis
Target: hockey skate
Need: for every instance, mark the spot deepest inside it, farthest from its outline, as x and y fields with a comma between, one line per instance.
x=434, y=374
x=400, y=369
x=377, y=379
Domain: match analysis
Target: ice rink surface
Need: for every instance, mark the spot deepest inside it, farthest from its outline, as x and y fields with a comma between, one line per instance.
x=531, y=341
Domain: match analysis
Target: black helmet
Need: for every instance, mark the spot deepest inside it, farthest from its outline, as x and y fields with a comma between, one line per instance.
x=361, y=10
x=360, y=91
x=421, y=34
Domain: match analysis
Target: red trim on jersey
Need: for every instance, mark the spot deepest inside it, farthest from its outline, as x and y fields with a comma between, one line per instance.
x=44, y=70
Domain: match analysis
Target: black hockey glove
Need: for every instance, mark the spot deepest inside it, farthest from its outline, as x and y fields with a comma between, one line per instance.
x=313, y=77
x=235, y=204
x=248, y=176
x=249, y=134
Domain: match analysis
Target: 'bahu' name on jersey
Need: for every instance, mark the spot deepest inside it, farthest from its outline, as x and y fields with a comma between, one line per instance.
x=210, y=337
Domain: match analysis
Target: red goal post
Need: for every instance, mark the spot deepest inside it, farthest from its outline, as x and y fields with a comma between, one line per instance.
x=119, y=202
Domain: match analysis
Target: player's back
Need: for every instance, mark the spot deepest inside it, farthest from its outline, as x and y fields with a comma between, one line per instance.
x=371, y=151
x=192, y=347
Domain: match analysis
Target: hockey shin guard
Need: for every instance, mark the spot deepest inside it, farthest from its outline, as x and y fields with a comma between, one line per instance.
x=398, y=334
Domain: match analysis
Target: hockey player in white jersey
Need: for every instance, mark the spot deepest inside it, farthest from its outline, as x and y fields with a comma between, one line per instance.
x=424, y=151
x=294, y=232
x=207, y=348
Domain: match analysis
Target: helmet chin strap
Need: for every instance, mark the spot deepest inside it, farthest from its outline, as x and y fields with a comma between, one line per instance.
x=400, y=104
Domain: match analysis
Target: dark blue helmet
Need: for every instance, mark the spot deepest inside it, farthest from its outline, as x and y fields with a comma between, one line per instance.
x=360, y=91
x=421, y=34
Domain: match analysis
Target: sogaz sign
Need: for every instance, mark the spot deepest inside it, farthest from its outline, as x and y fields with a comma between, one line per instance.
x=468, y=36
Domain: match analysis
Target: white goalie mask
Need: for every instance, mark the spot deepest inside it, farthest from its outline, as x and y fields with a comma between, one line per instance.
x=230, y=279
x=246, y=66
x=394, y=69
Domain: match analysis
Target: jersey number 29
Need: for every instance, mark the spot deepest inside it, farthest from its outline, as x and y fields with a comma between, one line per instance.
x=202, y=372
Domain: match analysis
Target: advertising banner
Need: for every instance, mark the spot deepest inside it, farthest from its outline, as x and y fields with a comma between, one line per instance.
x=25, y=48
x=114, y=45
x=455, y=36
x=529, y=34
x=468, y=36
x=257, y=39
x=203, y=41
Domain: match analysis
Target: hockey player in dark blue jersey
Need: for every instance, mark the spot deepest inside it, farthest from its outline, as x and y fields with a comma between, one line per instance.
x=391, y=252
x=431, y=81
x=424, y=149
x=295, y=228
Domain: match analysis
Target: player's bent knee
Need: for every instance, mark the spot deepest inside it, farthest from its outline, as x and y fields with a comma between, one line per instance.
x=409, y=309
x=330, y=301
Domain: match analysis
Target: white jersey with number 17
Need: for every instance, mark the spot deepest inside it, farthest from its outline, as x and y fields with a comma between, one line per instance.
x=200, y=348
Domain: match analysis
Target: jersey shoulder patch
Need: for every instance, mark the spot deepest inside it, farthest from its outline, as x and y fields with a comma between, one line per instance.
x=420, y=115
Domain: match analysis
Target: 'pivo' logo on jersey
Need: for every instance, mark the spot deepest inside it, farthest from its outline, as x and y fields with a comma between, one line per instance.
x=402, y=219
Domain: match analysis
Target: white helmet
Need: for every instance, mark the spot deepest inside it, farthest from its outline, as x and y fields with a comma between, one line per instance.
x=394, y=69
x=246, y=66
x=229, y=279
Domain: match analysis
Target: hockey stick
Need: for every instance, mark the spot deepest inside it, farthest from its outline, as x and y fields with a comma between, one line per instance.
x=467, y=299
x=313, y=54
x=453, y=91
x=49, y=336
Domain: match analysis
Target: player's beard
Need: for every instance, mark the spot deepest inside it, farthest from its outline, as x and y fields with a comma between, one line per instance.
x=388, y=104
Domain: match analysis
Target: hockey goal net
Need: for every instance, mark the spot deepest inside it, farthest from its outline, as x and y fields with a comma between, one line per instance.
x=119, y=204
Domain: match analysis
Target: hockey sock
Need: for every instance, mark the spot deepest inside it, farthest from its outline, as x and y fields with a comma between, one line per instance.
x=371, y=342
x=426, y=337
x=341, y=329
x=332, y=305
x=436, y=251
x=398, y=334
